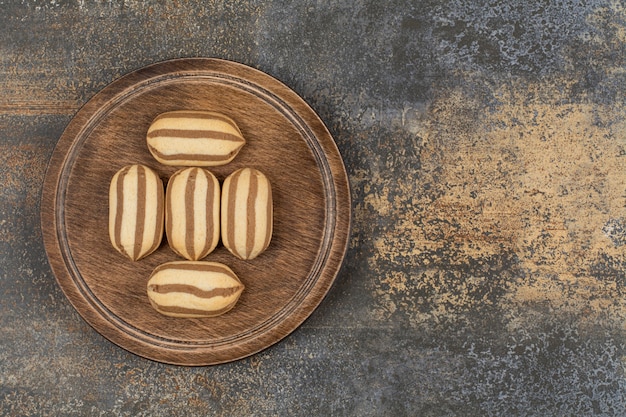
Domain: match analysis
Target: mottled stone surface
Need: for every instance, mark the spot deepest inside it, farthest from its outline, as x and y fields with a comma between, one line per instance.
x=485, y=143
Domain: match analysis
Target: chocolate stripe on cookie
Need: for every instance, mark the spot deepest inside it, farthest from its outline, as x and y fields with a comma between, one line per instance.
x=190, y=190
x=230, y=214
x=210, y=222
x=251, y=215
x=195, y=134
x=140, y=221
x=270, y=217
x=119, y=210
x=193, y=290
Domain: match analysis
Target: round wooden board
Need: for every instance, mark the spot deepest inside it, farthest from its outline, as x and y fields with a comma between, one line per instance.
x=286, y=140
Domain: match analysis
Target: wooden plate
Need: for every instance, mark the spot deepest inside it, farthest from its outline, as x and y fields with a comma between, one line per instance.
x=285, y=140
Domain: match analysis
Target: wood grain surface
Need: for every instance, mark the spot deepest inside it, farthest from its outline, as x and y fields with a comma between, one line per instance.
x=285, y=140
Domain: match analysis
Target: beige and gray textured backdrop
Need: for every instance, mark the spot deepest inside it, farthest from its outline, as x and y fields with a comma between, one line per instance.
x=485, y=143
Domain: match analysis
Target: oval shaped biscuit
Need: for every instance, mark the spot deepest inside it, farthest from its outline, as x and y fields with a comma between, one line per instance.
x=194, y=138
x=136, y=211
x=247, y=213
x=193, y=289
x=192, y=213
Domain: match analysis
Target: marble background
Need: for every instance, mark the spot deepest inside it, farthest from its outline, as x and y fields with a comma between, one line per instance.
x=485, y=143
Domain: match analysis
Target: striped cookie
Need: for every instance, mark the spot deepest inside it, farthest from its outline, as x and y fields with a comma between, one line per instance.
x=136, y=211
x=247, y=213
x=192, y=213
x=193, y=289
x=194, y=138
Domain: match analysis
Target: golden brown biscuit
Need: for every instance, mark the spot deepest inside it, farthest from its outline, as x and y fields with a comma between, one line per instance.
x=193, y=289
x=192, y=213
x=247, y=213
x=194, y=138
x=136, y=211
